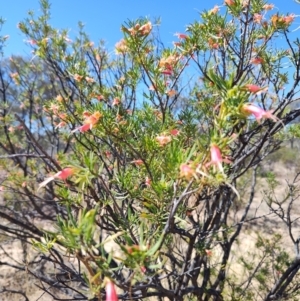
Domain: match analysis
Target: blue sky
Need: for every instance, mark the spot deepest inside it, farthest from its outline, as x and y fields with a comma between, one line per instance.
x=104, y=18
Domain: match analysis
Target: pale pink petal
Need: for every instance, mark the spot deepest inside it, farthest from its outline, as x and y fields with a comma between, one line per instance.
x=216, y=157
x=174, y=132
x=82, y=128
x=163, y=140
x=44, y=183
x=138, y=162
x=255, y=89
x=258, y=112
x=186, y=171
x=62, y=175
x=181, y=36
x=65, y=173
x=111, y=294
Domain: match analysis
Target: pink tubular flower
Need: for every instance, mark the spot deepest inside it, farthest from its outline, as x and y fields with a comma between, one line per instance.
x=167, y=72
x=167, y=64
x=121, y=47
x=65, y=173
x=163, y=140
x=61, y=124
x=258, y=113
x=257, y=18
x=268, y=6
x=145, y=29
x=180, y=36
x=229, y=2
x=62, y=175
x=138, y=162
x=216, y=157
x=255, y=89
x=116, y=101
x=89, y=122
x=215, y=10
x=213, y=44
x=100, y=97
x=111, y=294
x=83, y=128
x=174, y=132
x=288, y=19
x=78, y=77
x=257, y=60
x=143, y=269
x=177, y=44
x=186, y=171
x=89, y=79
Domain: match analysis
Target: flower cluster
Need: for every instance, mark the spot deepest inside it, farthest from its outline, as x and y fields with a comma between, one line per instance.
x=139, y=30
x=121, y=47
x=167, y=64
x=90, y=121
x=282, y=21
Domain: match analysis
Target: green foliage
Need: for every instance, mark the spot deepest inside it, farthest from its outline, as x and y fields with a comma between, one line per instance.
x=139, y=175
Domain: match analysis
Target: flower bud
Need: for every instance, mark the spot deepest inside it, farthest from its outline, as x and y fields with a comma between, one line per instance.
x=111, y=294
